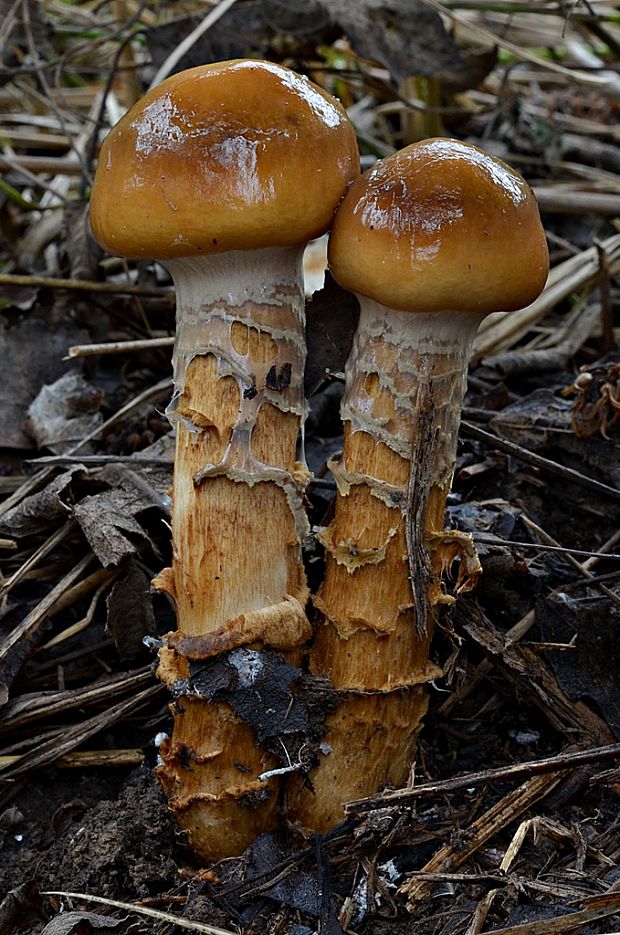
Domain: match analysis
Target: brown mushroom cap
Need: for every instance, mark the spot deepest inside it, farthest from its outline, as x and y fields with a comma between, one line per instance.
x=232, y=156
x=440, y=226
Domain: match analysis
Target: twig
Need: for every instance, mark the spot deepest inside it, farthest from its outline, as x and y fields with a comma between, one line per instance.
x=98, y=122
x=607, y=318
x=34, y=482
x=522, y=671
x=175, y=57
x=32, y=621
x=560, y=200
x=75, y=593
x=52, y=750
x=143, y=911
x=487, y=826
x=582, y=77
x=32, y=707
x=535, y=826
x=86, y=620
x=519, y=630
x=101, y=459
x=497, y=541
x=502, y=774
x=545, y=464
x=498, y=332
x=44, y=549
x=61, y=165
x=85, y=759
x=18, y=199
x=583, y=571
x=82, y=285
x=560, y=924
x=118, y=347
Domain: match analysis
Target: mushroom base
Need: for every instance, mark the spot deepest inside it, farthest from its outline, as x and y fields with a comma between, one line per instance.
x=210, y=775
x=370, y=743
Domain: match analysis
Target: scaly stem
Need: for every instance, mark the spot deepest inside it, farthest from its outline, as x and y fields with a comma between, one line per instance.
x=386, y=550
x=237, y=523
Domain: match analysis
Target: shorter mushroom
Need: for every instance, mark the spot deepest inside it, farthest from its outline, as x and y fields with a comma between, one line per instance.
x=431, y=240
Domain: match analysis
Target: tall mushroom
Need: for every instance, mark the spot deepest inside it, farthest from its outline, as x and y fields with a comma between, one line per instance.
x=431, y=240
x=223, y=173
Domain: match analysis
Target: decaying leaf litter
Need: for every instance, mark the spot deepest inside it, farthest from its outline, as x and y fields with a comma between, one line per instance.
x=525, y=714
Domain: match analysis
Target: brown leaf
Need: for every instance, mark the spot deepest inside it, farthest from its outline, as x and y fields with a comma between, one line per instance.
x=130, y=611
x=108, y=519
x=404, y=36
x=64, y=412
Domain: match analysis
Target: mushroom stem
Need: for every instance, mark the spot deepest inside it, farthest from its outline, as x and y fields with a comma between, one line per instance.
x=386, y=549
x=238, y=522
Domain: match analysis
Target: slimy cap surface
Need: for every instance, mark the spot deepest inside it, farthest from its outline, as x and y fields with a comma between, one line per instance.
x=231, y=156
x=438, y=226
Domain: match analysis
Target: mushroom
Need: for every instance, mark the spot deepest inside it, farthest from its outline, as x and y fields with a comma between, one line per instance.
x=431, y=240
x=223, y=173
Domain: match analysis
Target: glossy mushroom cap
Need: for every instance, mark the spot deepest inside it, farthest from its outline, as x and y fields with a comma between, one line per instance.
x=232, y=156
x=440, y=226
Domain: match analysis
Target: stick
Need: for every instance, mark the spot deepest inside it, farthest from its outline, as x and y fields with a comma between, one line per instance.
x=502, y=774
x=545, y=464
x=83, y=285
x=490, y=823
x=118, y=347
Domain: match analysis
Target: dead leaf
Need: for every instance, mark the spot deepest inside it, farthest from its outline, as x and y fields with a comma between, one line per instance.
x=308, y=18
x=18, y=901
x=43, y=509
x=31, y=353
x=130, y=611
x=584, y=671
x=10, y=820
x=304, y=889
x=19, y=297
x=332, y=316
x=230, y=37
x=81, y=923
x=108, y=519
x=404, y=36
x=78, y=245
x=64, y=412
x=541, y=422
